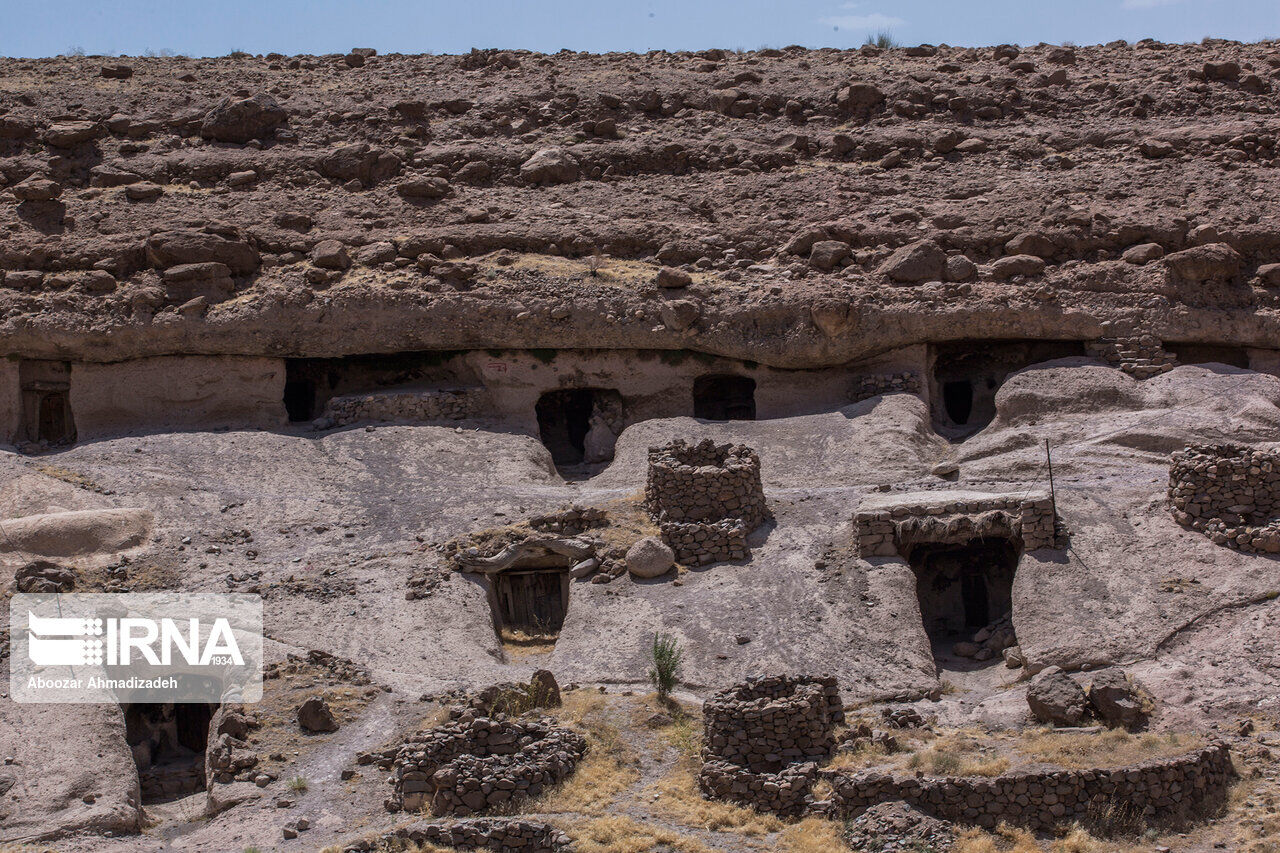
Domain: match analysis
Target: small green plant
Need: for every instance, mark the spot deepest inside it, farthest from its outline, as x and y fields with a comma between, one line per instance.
x=666, y=655
x=297, y=784
x=253, y=850
x=883, y=40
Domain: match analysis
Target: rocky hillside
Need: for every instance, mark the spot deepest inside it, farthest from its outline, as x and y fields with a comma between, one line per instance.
x=809, y=206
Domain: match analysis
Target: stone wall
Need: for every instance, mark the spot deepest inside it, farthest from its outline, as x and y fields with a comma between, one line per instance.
x=1164, y=790
x=1139, y=355
x=885, y=383
x=885, y=527
x=706, y=498
x=475, y=763
x=177, y=392
x=1230, y=493
x=764, y=737
x=419, y=405
x=501, y=835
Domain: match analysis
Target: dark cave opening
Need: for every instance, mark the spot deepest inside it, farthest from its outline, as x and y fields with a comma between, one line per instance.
x=564, y=419
x=967, y=375
x=168, y=741
x=963, y=587
x=724, y=397
x=957, y=396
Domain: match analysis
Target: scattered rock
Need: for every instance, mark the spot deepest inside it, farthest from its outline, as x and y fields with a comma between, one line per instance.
x=550, y=166
x=920, y=261
x=242, y=120
x=314, y=715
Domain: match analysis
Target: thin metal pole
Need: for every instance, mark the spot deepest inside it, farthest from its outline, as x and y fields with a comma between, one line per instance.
x=1053, y=495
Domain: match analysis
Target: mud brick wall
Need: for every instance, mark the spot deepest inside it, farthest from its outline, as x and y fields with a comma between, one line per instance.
x=1230, y=493
x=500, y=835
x=706, y=498
x=763, y=738
x=883, y=532
x=1140, y=356
x=418, y=406
x=476, y=763
x=1167, y=789
x=885, y=383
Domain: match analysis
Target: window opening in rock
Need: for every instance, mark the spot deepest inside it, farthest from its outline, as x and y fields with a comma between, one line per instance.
x=168, y=741
x=724, y=398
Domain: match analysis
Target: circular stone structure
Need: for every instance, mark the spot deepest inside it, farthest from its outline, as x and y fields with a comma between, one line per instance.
x=764, y=737
x=474, y=763
x=706, y=498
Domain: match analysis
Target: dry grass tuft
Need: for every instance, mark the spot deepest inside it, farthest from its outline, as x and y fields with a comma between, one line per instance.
x=676, y=797
x=1111, y=748
x=609, y=768
x=812, y=835
x=624, y=835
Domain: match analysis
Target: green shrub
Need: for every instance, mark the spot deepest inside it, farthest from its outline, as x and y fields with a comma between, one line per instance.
x=666, y=656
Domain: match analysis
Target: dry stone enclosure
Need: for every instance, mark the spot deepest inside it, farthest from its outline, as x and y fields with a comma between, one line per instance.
x=1173, y=790
x=474, y=763
x=706, y=498
x=764, y=737
x=1230, y=493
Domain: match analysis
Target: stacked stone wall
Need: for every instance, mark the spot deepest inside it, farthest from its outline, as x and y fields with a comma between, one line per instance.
x=886, y=532
x=1140, y=356
x=885, y=383
x=1230, y=493
x=475, y=763
x=1170, y=789
x=415, y=406
x=705, y=498
x=501, y=835
x=764, y=737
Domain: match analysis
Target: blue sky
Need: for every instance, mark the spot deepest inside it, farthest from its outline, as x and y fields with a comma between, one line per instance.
x=216, y=27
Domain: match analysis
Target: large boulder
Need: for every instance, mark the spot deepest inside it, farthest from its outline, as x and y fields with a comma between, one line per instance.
x=69, y=134
x=314, y=715
x=1201, y=263
x=242, y=120
x=650, y=558
x=858, y=95
x=174, y=248
x=1118, y=699
x=920, y=261
x=550, y=166
x=1055, y=697
x=36, y=188
x=361, y=162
